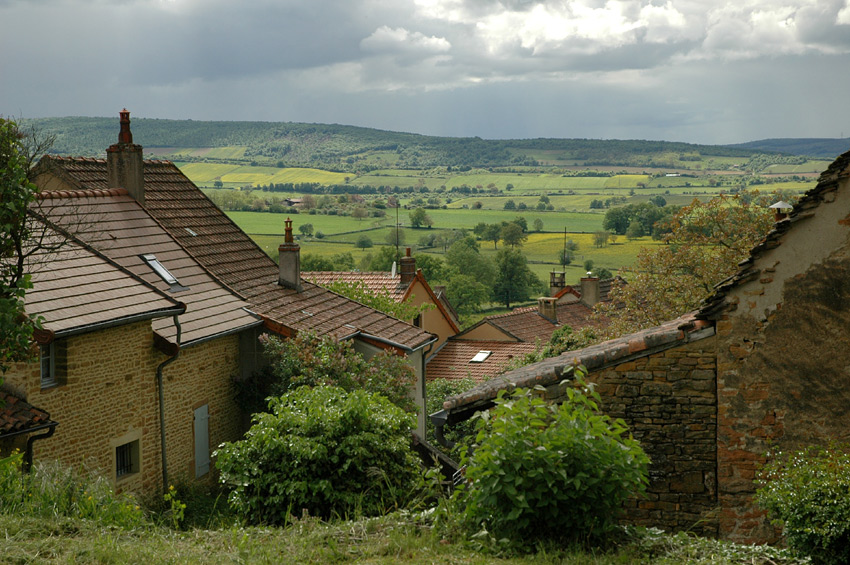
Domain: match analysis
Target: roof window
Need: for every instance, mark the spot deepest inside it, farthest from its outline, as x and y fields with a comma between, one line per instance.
x=481, y=356
x=191, y=232
x=163, y=273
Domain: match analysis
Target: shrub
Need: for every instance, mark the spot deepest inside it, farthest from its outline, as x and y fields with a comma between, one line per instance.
x=461, y=433
x=551, y=473
x=808, y=493
x=322, y=450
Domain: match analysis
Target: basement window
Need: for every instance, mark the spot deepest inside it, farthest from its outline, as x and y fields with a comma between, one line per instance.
x=163, y=273
x=481, y=356
x=126, y=459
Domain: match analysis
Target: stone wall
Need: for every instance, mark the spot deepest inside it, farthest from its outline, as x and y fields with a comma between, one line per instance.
x=668, y=401
x=109, y=397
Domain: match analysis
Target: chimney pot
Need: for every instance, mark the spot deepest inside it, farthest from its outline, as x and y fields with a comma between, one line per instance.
x=408, y=268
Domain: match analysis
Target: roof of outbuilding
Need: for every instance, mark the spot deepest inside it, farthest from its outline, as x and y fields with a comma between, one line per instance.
x=376, y=281
x=222, y=248
x=18, y=416
x=454, y=359
x=551, y=371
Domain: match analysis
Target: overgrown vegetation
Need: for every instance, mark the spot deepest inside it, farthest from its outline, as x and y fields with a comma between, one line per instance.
x=808, y=493
x=543, y=473
x=321, y=451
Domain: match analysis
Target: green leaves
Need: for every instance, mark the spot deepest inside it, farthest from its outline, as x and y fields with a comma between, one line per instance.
x=547, y=472
x=808, y=492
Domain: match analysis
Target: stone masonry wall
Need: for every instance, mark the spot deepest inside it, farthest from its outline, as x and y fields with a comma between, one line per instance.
x=668, y=401
x=109, y=397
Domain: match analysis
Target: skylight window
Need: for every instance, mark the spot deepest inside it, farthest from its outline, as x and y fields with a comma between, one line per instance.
x=191, y=232
x=160, y=270
x=481, y=356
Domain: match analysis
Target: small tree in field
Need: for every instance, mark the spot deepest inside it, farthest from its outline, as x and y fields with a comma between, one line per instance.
x=363, y=242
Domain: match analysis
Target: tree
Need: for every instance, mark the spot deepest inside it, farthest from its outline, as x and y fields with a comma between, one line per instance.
x=514, y=280
x=635, y=230
x=306, y=229
x=513, y=235
x=493, y=232
x=359, y=212
x=396, y=236
x=419, y=218
x=466, y=293
x=363, y=242
x=510, y=205
x=18, y=242
x=538, y=225
x=463, y=257
x=706, y=242
x=432, y=266
x=600, y=238
x=380, y=300
x=312, y=262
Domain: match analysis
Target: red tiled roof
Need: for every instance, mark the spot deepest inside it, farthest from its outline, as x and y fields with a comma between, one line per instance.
x=528, y=325
x=452, y=361
x=551, y=371
x=76, y=287
x=376, y=281
x=114, y=224
x=18, y=416
x=234, y=259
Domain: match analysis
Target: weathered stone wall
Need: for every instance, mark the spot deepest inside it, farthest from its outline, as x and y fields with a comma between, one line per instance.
x=668, y=401
x=109, y=397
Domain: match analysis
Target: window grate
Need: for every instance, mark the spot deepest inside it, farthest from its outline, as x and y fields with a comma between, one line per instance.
x=123, y=459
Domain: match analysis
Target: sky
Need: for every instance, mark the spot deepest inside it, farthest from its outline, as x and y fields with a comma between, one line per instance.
x=699, y=71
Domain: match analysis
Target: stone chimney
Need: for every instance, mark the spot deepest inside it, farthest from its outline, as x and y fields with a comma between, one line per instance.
x=289, y=259
x=546, y=307
x=589, y=291
x=408, y=268
x=556, y=282
x=124, y=163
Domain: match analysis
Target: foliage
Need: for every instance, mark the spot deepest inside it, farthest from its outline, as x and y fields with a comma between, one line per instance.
x=380, y=300
x=513, y=235
x=808, y=493
x=514, y=282
x=466, y=293
x=431, y=265
x=363, y=242
x=462, y=433
x=308, y=359
x=704, y=246
x=419, y=218
x=551, y=472
x=324, y=451
x=50, y=489
x=16, y=230
x=562, y=340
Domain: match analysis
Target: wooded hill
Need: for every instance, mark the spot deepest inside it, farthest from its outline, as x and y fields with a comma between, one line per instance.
x=349, y=148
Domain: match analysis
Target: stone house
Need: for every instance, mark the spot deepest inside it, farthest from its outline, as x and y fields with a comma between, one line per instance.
x=152, y=307
x=763, y=363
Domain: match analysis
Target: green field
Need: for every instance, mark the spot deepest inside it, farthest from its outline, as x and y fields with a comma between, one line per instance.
x=235, y=176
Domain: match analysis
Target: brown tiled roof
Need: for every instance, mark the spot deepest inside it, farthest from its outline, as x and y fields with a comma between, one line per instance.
x=551, y=371
x=528, y=325
x=376, y=281
x=452, y=361
x=75, y=287
x=114, y=224
x=714, y=306
x=232, y=256
x=17, y=416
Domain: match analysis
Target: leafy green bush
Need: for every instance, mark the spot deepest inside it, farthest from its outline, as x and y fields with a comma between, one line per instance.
x=545, y=472
x=322, y=450
x=808, y=493
x=462, y=433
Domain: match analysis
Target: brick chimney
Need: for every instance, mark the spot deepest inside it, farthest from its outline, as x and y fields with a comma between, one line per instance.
x=589, y=291
x=556, y=282
x=289, y=259
x=408, y=268
x=124, y=163
x=546, y=307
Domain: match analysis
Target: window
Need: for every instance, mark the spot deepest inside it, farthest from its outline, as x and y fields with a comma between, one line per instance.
x=52, y=364
x=163, y=273
x=481, y=356
x=126, y=459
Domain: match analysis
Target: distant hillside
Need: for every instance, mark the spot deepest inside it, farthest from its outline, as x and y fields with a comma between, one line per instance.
x=824, y=148
x=348, y=148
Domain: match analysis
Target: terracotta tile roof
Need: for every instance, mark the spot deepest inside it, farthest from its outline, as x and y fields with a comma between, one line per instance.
x=17, y=416
x=234, y=259
x=114, y=224
x=75, y=287
x=376, y=281
x=551, y=371
x=452, y=361
x=714, y=306
x=528, y=325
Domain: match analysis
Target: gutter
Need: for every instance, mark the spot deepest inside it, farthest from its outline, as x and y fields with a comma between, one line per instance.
x=159, y=385
x=51, y=428
x=180, y=309
x=393, y=344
